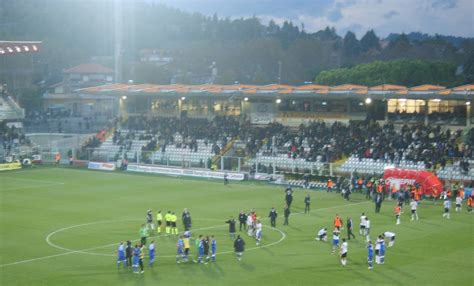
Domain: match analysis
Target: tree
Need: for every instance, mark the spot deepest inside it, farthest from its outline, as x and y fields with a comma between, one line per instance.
x=273, y=28
x=469, y=68
x=401, y=42
x=370, y=41
x=351, y=44
x=288, y=33
x=73, y=32
x=401, y=72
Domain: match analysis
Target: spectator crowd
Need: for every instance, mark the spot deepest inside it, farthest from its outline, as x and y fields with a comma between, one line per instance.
x=315, y=141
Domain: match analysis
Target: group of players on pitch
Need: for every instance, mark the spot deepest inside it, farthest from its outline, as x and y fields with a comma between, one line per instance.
x=206, y=246
x=364, y=229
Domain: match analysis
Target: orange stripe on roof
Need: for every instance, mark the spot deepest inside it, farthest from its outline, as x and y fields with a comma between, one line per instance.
x=283, y=89
x=274, y=86
x=466, y=87
x=286, y=91
x=383, y=87
x=238, y=86
x=311, y=87
x=159, y=88
x=402, y=92
x=323, y=91
x=445, y=92
x=427, y=87
x=250, y=90
x=348, y=87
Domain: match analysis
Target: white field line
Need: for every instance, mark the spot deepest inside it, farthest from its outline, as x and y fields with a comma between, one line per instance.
x=42, y=183
x=34, y=180
x=48, y=238
x=85, y=251
x=36, y=259
x=32, y=187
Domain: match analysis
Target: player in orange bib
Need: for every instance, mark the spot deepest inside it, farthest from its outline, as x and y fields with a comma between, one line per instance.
x=330, y=185
x=397, y=211
x=337, y=222
x=57, y=158
x=394, y=192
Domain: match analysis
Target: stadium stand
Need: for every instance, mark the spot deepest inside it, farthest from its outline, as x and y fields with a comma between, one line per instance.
x=180, y=152
x=165, y=140
x=10, y=110
x=125, y=145
x=371, y=166
x=11, y=137
x=369, y=147
x=462, y=170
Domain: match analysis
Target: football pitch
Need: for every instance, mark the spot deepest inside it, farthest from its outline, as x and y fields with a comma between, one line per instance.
x=62, y=226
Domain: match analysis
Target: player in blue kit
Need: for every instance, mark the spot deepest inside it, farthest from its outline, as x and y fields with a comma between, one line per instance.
x=213, y=248
x=121, y=255
x=180, y=250
x=151, y=253
x=382, y=251
x=200, y=249
x=370, y=254
x=136, y=258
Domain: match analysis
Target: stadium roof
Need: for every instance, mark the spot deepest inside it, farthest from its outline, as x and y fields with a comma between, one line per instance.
x=388, y=87
x=426, y=91
x=427, y=87
x=9, y=48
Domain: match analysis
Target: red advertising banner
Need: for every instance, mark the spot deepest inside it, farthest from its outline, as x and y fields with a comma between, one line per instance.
x=430, y=183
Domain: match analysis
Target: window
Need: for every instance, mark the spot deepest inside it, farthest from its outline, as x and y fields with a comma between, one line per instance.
x=406, y=106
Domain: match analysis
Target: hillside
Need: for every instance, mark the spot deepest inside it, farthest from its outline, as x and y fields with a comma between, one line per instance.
x=244, y=50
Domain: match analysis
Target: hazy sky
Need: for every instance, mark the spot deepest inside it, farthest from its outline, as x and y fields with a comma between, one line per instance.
x=447, y=17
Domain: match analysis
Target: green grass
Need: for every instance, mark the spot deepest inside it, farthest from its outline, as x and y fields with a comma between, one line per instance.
x=111, y=206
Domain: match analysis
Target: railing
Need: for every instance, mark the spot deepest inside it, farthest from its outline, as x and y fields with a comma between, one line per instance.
x=192, y=160
x=279, y=164
x=258, y=164
x=20, y=112
x=224, y=150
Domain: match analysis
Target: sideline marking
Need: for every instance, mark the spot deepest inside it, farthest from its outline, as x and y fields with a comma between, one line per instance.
x=33, y=187
x=34, y=180
x=42, y=184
